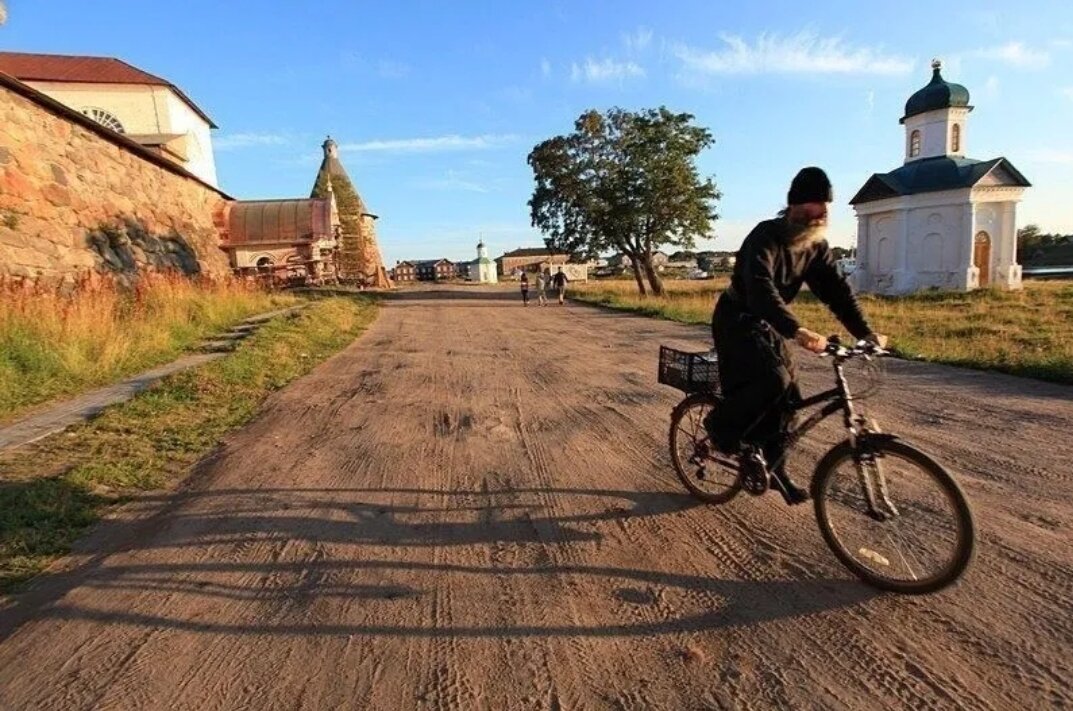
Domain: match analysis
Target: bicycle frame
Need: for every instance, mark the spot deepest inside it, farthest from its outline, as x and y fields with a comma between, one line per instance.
x=840, y=398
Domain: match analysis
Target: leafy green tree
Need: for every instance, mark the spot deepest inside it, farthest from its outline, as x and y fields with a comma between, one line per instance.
x=624, y=181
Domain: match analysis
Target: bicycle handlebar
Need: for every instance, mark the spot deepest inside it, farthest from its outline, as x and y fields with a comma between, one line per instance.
x=863, y=349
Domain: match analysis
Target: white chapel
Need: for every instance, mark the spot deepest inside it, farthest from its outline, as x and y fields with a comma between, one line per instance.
x=940, y=220
x=482, y=270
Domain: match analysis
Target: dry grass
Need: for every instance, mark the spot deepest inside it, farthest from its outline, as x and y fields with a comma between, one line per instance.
x=53, y=489
x=57, y=342
x=1028, y=333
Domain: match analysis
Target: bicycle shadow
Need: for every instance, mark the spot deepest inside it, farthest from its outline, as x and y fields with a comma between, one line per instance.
x=108, y=585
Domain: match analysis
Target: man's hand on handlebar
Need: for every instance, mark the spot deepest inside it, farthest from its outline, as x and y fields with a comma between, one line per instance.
x=810, y=340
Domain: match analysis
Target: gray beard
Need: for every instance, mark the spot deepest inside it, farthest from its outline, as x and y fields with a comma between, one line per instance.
x=804, y=236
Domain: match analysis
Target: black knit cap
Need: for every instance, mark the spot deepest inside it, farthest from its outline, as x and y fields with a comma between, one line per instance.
x=810, y=185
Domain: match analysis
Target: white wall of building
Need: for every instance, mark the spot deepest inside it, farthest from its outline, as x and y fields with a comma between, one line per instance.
x=936, y=132
x=927, y=241
x=181, y=118
x=144, y=110
x=139, y=108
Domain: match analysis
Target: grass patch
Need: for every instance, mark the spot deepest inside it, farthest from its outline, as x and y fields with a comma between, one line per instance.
x=59, y=342
x=51, y=491
x=1028, y=332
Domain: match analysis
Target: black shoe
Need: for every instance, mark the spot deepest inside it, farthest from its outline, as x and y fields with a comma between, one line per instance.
x=791, y=492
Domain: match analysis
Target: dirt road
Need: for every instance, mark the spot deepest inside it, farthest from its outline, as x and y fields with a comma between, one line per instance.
x=473, y=507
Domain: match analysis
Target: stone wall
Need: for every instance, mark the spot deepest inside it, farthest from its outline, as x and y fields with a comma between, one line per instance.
x=75, y=197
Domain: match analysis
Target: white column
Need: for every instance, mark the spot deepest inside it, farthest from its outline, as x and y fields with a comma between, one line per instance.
x=970, y=275
x=859, y=279
x=904, y=281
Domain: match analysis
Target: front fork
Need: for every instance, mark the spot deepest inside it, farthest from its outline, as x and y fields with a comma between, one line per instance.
x=868, y=460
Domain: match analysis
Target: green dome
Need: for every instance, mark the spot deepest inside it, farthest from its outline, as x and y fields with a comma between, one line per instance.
x=938, y=94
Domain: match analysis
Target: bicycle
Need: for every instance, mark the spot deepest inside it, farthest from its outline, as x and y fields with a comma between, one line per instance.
x=872, y=480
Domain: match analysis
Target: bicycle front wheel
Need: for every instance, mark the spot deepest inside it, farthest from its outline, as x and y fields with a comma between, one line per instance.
x=709, y=475
x=919, y=536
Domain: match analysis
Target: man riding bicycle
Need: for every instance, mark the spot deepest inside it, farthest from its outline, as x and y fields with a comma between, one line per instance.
x=751, y=324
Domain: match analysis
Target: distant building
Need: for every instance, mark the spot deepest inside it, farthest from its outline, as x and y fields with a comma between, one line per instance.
x=941, y=219
x=146, y=108
x=360, y=261
x=425, y=270
x=623, y=262
x=530, y=259
x=282, y=240
x=404, y=272
x=482, y=269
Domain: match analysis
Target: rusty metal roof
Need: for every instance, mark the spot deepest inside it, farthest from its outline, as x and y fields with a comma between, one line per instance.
x=262, y=222
x=77, y=69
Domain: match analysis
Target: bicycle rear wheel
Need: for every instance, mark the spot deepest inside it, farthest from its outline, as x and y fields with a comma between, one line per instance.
x=926, y=540
x=709, y=475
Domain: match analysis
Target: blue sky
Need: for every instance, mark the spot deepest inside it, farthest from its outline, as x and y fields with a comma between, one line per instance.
x=437, y=104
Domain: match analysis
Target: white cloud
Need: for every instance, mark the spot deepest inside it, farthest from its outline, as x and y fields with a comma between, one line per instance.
x=1062, y=43
x=235, y=141
x=991, y=87
x=432, y=144
x=518, y=94
x=870, y=99
x=1066, y=91
x=454, y=180
x=1047, y=155
x=385, y=68
x=638, y=40
x=545, y=68
x=388, y=69
x=804, y=52
x=1015, y=54
x=605, y=70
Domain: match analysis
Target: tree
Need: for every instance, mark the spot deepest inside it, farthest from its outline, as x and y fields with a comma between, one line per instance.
x=1028, y=238
x=627, y=182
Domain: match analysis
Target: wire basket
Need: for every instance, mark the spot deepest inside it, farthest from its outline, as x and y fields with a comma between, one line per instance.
x=688, y=372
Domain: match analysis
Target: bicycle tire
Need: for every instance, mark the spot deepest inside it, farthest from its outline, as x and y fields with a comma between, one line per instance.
x=966, y=529
x=679, y=412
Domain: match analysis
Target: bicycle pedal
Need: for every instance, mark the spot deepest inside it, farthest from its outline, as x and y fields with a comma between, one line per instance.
x=755, y=477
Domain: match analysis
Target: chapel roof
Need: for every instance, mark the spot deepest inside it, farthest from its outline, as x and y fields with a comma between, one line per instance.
x=936, y=94
x=931, y=175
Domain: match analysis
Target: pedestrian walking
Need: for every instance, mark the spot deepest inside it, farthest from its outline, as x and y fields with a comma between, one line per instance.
x=560, y=281
x=542, y=288
x=525, y=288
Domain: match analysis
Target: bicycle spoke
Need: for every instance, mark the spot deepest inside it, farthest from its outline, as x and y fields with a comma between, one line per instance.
x=919, y=543
x=898, y=550
x=708, y=476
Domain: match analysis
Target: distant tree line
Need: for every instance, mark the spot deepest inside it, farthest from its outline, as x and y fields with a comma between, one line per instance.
x=1037, y=247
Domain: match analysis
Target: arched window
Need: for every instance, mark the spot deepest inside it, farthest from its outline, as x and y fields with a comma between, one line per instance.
x=955, y=138
x=914, y=144
x=104, y=118
x=264, y=264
